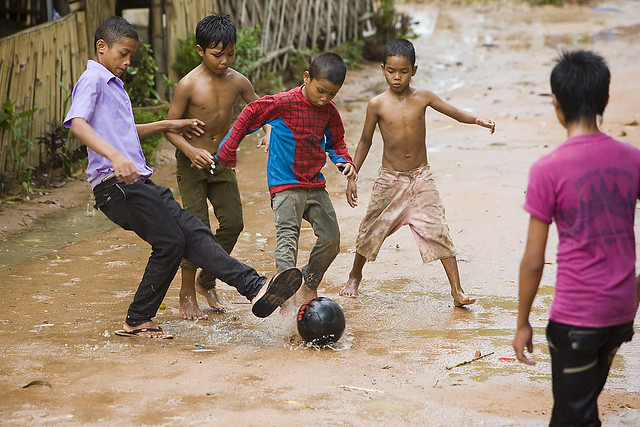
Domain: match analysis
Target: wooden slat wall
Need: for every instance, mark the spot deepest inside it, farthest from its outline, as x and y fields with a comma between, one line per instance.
x=285, y=25
x=31, y=62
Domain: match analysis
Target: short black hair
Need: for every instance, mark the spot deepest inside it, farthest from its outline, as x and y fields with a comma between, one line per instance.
x=113, y=29
x=328, y=66
x=215, y=29
x=580, y=82
x=400, y=47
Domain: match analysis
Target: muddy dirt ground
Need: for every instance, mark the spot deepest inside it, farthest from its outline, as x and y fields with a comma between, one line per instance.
x=67, y=275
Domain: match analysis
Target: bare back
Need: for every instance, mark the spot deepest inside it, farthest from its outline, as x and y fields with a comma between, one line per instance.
x=210, y=98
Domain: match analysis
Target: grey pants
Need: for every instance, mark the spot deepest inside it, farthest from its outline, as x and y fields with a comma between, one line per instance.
x=290, y=207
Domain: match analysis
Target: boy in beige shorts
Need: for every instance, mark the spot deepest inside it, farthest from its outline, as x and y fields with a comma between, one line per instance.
x=404, y=192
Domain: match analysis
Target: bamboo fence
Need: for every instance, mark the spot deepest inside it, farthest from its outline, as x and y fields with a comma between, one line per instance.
x=32, y=61
x=285, y=25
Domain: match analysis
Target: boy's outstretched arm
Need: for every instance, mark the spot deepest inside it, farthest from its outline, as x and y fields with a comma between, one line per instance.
x=447, y=109
x=531, y=268
x=362, y=149
x=249, y=95
x=122, y=166
x=252, y=117
x=185, y=126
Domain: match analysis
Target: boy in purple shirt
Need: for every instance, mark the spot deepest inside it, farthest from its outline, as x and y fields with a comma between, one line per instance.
x=589, y=186
x=102, y=118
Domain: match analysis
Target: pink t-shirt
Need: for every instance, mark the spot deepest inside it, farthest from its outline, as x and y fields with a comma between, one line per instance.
x=589, y=186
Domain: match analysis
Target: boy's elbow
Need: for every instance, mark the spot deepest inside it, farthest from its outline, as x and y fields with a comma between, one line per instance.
x=76, y=125
x=532, y=264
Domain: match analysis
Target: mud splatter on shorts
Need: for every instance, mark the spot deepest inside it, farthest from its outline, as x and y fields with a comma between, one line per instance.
x=406, y=198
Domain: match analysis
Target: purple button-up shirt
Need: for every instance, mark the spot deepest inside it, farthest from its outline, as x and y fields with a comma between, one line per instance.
x=99, y=98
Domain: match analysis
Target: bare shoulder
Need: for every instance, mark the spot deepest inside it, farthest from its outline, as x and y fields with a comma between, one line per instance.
x=425, y=96
x=190, y=80
x=378, y=101
x=236, y=78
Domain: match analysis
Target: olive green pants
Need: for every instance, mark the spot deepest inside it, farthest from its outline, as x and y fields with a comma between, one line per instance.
x=220, y=186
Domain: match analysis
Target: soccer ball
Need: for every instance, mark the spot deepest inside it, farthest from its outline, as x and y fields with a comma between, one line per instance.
x=320, y=321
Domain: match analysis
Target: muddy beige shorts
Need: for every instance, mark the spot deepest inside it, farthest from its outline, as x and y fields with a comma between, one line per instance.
x=405, y=198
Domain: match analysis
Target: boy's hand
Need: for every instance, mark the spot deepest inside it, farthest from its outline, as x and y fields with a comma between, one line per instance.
x=200, y=157
x=264, y=142
x=352, y=193
x=524, y=338
x=348, y=170
x=186, y=127
x=490, y=124
x=124, y=169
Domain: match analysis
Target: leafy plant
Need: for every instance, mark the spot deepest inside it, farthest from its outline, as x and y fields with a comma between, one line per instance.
x=151, y=143
x=56, y=142
x=139, y=80
x=351, y=53
x=13, y=122
x=187, y=57
x=389, y=25
x=27, y=182
x=247, y=53
x=58, y=152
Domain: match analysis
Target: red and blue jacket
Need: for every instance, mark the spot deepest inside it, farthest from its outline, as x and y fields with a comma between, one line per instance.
x=301, y=137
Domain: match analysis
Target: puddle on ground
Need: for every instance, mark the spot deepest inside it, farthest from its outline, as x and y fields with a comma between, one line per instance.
x=72, y=225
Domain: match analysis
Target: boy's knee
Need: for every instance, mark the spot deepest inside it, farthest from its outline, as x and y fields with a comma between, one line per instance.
x=173, y=247
x=331, y=241
x=234, y=227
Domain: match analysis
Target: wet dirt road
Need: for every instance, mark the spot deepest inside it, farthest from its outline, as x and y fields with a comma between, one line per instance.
x=66, y=283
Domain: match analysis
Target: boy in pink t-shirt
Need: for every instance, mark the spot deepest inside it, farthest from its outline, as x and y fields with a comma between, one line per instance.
x=589, y=186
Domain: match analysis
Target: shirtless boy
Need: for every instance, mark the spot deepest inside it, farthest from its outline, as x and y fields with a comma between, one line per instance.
x=209, y=93
x=404, y=192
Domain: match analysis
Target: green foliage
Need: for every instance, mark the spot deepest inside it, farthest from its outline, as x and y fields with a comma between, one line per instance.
x=299, y=61
x=247, y=53
x=58, y=152
x=150, y=144
x=187, y=57
x=389, y=23
x=56, y=143
x=27, y=181
x=351, y=53
x=13, y=122
x=139, y=81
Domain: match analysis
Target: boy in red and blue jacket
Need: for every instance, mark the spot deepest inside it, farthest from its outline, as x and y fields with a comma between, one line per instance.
x=305, y=128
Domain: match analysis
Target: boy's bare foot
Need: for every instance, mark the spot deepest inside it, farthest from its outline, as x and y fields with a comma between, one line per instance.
x=189, y=309
x=212, y=297
x=146, y=330
x=289, y=307
x=276, y=291
x=350, y=290
x=460, y=299
x=292, y=305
